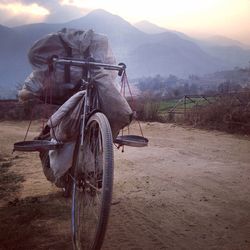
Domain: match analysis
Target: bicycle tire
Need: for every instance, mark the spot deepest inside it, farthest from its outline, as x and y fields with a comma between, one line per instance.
x=93, y=184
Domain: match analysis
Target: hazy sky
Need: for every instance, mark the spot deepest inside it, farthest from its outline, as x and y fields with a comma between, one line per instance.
x=229, y=18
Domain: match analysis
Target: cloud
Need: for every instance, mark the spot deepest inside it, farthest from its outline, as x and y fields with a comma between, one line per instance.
x=18, y=12
x=14, y=12
x=60, y=12
x=19, y=9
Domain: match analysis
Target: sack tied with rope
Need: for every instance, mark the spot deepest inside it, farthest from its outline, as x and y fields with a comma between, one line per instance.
x=61, y=85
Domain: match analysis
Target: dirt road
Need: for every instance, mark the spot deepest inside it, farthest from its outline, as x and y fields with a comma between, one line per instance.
x=189, y=189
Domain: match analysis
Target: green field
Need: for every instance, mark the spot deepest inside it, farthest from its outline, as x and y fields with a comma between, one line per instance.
x=167, y=105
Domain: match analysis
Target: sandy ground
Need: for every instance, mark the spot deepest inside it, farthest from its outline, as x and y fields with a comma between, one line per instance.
x=189, y=189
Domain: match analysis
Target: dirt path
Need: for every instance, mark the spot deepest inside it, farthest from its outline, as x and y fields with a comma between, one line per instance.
x=188, y=190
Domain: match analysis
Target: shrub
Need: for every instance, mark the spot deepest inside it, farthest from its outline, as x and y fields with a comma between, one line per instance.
x=228, y=113
x=13, y=110
x=147, y=109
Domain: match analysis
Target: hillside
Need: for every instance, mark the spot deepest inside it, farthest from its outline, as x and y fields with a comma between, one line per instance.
x=231, y=53
x=145, y=54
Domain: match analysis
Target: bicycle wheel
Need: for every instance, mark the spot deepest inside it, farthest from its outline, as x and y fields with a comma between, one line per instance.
x=93, y=183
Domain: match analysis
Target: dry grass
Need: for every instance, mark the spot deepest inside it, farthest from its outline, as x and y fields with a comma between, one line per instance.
x=228, y=113
x=17, y=111
x=148, y=109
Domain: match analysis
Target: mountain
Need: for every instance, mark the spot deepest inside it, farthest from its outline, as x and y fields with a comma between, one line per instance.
x=105, y=22
x=149, y=28
x=232, y=56
x=229, y=52
x=32, y=32
x=13, y=61
x=224, y=42
x=122, y=35
x=167, y=52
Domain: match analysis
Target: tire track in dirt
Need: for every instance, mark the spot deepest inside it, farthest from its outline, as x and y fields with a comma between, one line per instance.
x=131, y=228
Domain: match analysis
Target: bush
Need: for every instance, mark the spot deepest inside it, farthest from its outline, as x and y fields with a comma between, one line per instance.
x=14, y=110
x=229, y=113
x=147, y=109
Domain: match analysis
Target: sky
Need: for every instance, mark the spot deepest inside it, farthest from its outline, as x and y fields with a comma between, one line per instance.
x=230, y=18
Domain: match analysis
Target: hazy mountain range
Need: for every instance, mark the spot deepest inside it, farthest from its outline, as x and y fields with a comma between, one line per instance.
x=146, y=49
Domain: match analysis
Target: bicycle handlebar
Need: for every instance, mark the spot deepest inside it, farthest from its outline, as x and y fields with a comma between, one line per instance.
x=89, y=64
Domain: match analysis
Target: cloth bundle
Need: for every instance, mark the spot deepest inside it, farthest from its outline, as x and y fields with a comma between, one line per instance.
x=62, y=87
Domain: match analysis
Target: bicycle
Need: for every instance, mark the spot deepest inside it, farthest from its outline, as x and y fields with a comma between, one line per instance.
x=91, y=175
x=93, y=165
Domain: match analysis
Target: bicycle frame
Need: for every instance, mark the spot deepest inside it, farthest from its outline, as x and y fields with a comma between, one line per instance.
x=90, y=104
x=90, y=110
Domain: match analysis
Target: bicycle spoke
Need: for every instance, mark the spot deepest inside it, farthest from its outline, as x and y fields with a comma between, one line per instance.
x=91, y=164
x=93, y=187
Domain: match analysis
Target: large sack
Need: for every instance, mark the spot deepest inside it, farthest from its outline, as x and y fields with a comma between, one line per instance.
x=65, y=122
x=61, y=159
x=63, y=82
x=77, y=44
x=113, y=105
x=80, y=44
x=72, y=43
x=33, y=85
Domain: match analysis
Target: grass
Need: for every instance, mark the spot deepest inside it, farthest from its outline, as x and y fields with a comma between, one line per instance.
x=157, y=110
x=167, y=105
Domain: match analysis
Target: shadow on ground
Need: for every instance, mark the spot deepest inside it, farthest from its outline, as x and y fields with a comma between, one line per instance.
x=10, y=182
x=41, y=222
x=36, y=223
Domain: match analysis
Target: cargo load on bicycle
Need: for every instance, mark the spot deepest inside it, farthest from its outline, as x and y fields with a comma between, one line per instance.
x=57, y=85
x=76, y=70
x=61, y=85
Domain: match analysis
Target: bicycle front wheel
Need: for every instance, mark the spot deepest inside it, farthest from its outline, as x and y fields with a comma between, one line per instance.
x=93, y=183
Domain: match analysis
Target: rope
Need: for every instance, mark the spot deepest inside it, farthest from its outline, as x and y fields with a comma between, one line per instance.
x=45, y=110
x=45, y=102
x=51, y=92
x=27, y=131
x=124, y=81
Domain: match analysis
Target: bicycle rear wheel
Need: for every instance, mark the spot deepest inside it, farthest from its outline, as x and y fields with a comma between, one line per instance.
x=93, y=183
